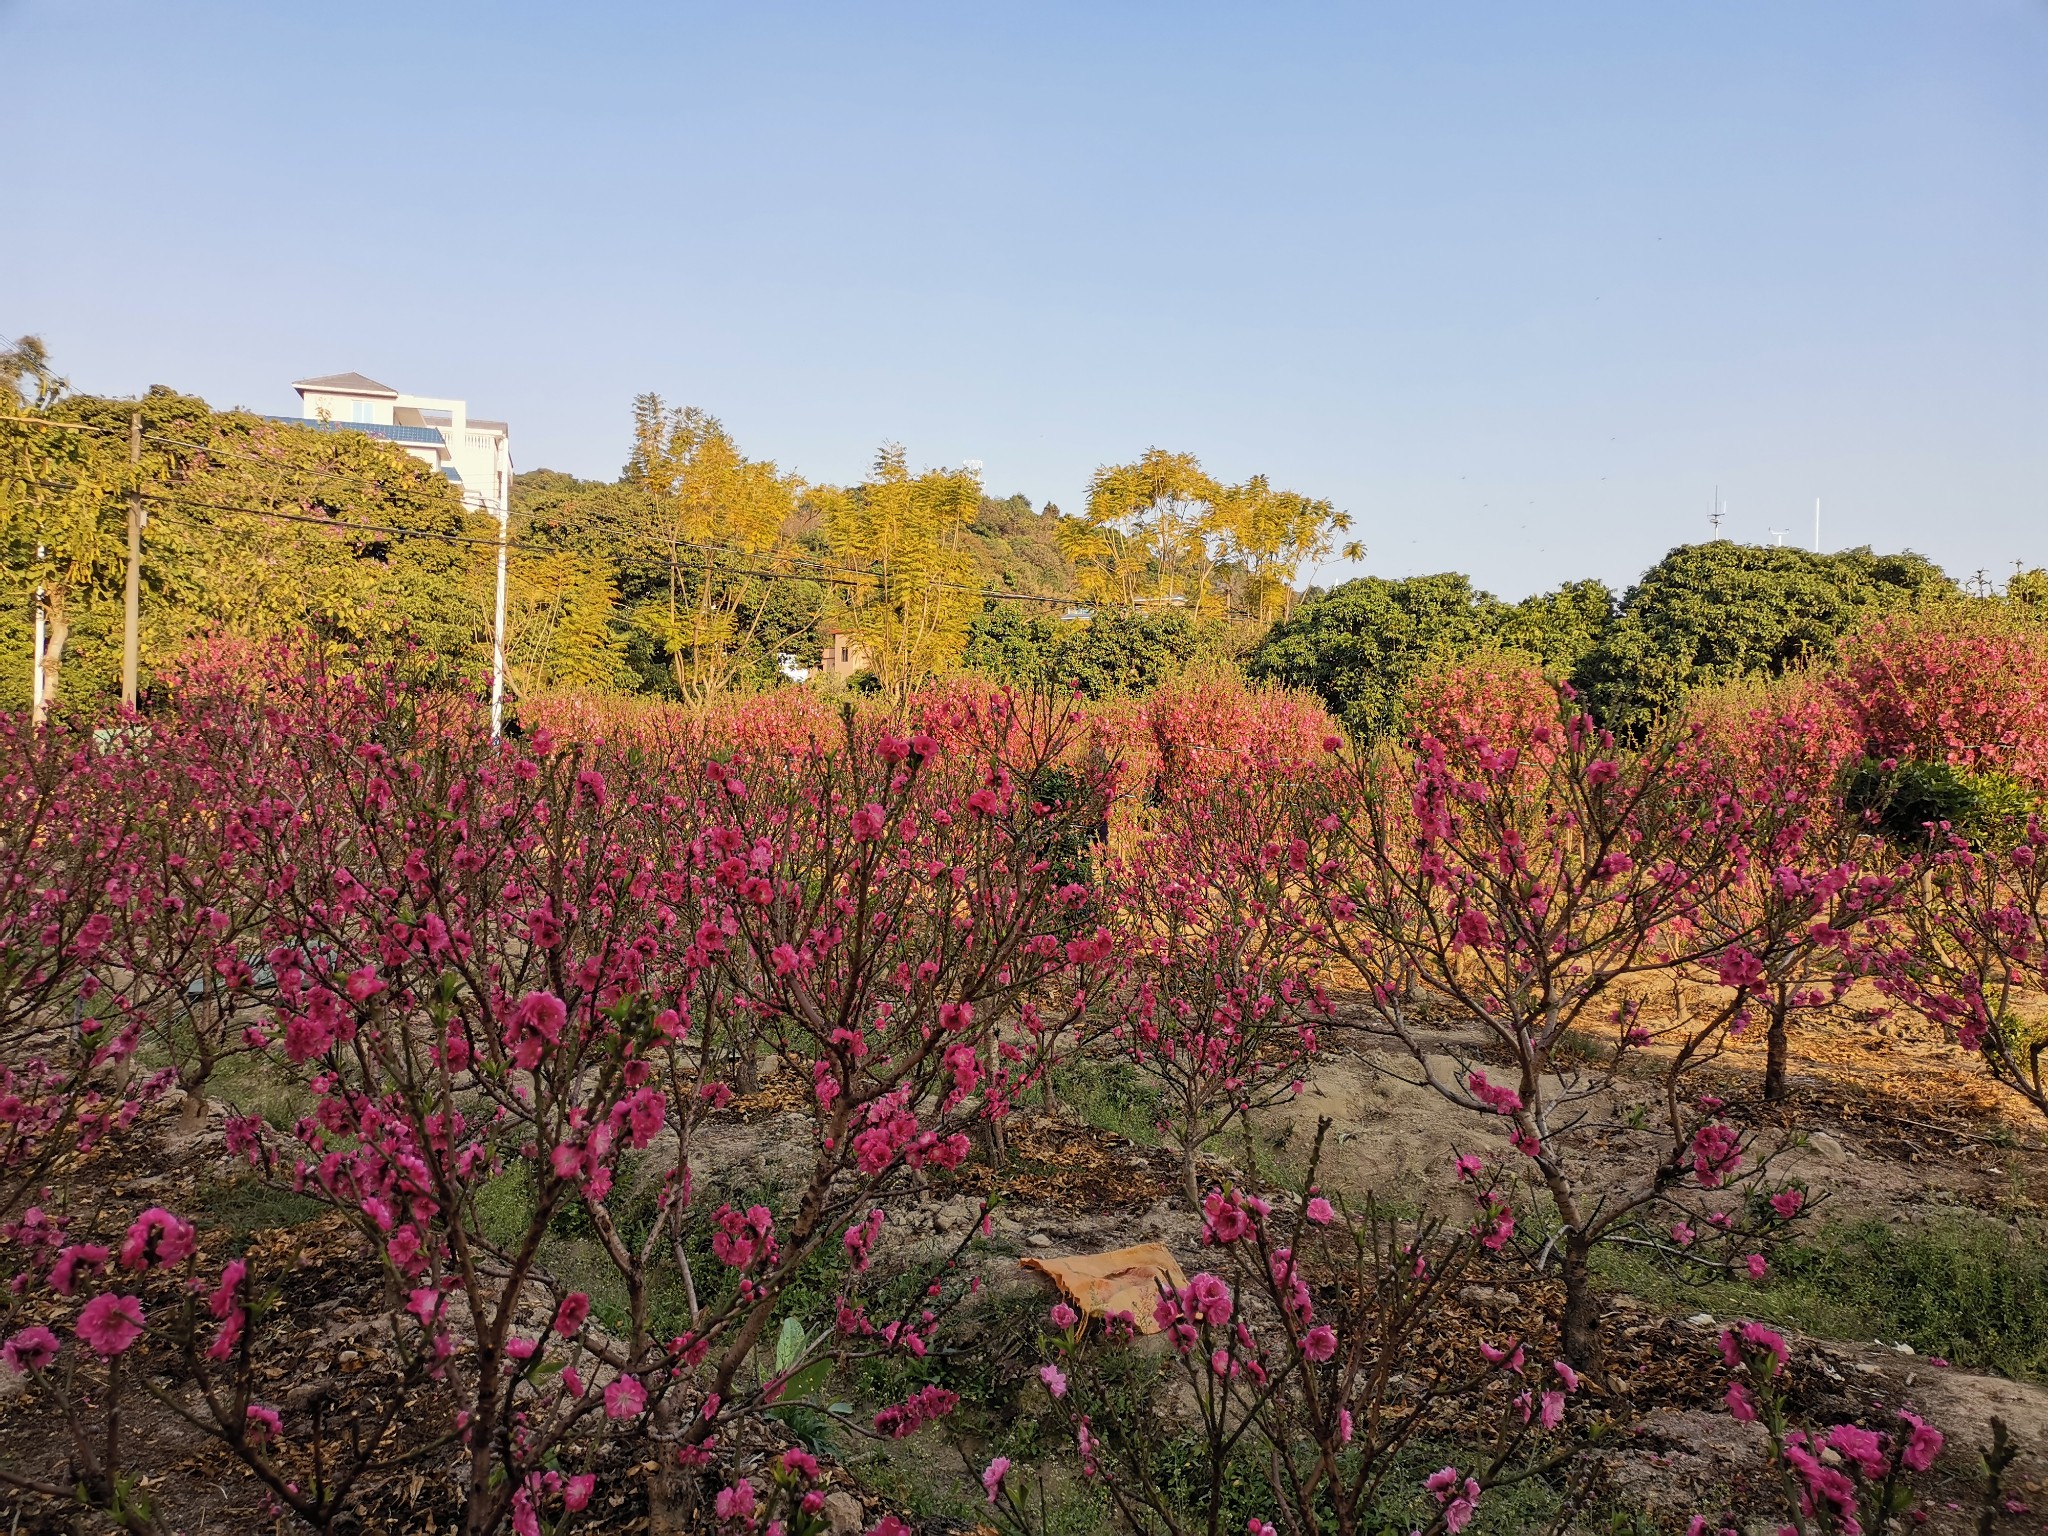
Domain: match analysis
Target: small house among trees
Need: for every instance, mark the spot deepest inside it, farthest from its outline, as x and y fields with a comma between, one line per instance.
x=845, y=655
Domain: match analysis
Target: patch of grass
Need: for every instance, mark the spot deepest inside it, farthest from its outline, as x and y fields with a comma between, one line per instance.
x=1110, y=1096
x=504, y=1205
x=1970, y=1290
x=248, y=1083
x=1530, y=1505
x=244, y=1206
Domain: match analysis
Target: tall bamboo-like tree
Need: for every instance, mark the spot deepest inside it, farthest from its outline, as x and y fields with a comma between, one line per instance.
x=1142, y=535
x=722, y=518
x=559, y=624
x=1267, y=534
x=905, y=530
x=1163, y=530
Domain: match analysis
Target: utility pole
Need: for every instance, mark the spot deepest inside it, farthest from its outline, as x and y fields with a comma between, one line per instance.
x=504, y=510
x=131, y=595
x=38, y=707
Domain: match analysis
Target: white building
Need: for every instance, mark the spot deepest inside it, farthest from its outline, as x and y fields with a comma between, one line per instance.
x=474, y=453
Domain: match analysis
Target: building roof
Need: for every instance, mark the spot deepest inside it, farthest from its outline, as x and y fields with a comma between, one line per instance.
x=426, y=437
x=347, y=384
x=478, y=424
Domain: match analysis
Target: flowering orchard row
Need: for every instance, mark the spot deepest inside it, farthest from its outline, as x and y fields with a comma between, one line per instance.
x=561, y=958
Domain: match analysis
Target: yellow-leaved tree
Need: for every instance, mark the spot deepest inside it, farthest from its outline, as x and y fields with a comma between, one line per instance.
x=1162, y=530
x=1142, y=535
x=62, y=526
x=903, y=532
x=252, y=528
x=721, y=524
x=1266, y=534
x=558, y=624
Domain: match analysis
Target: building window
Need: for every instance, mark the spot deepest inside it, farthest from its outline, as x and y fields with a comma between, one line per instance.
x=361, y=410
x=842, y=653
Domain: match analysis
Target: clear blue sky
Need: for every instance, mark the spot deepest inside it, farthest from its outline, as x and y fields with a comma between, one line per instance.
x=1516, y=284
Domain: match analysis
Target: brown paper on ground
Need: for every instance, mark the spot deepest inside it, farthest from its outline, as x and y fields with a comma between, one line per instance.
x=1126, y=1280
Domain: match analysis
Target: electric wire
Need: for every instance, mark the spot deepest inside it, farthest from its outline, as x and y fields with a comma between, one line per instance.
x=827, y=577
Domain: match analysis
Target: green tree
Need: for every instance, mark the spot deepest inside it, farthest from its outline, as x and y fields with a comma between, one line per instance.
x=1358, y=644
x=1711, y=613
x=2028, y=592
x=1014, y=643
x=1110, y=653
x=1561, y=627
x=325, y=555
x=560, y=629
x=615, y=525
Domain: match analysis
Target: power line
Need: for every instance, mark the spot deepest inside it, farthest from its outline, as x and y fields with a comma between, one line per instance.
x=339, y=525
x=843, y=577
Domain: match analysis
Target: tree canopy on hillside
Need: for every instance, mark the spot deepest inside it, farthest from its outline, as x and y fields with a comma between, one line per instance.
x=1711, y=613
x=1358, y=645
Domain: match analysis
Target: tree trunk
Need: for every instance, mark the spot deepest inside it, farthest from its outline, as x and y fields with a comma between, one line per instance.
x=193, y=1078
x=1774, y=1046
x=192, y=1113
x=1188, y=1185
x=56, y=611
x=1411, y=984
x=1581, y=1323
x=671, y=1495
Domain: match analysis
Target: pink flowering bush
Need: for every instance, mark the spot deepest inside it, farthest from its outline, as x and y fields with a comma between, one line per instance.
x=1196, y=733
x=1501, y=696
x=1214, y=994
x=190, y=911
x=1970, y=952
x=1965, y=686
x=516, y=989
x=1306, y=1346
x=147, y=1310
x=1848, y=1479
x=491, y=965
x=1813, y=877
x=1534, y=884
x=68, y=1073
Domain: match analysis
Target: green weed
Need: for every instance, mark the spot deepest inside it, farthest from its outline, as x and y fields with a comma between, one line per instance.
x=1970, y=1290
x=247, y=1205
x=1110, y=1096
